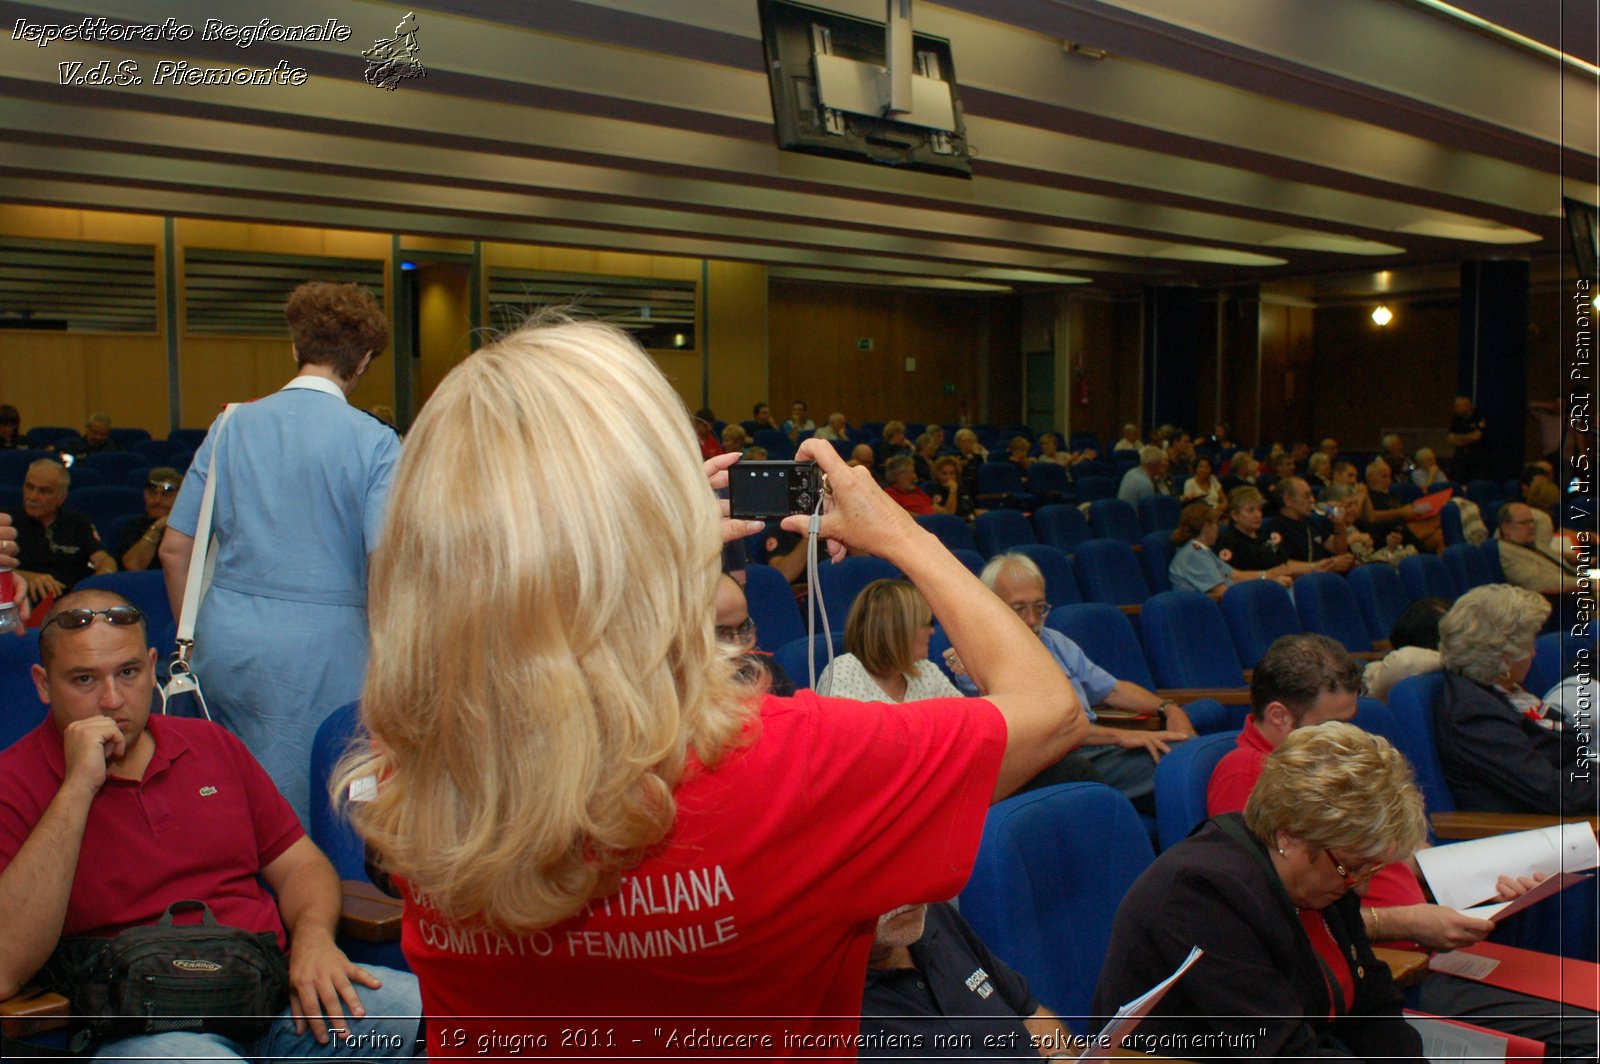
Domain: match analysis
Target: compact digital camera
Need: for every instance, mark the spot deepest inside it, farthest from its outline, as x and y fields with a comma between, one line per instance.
x=760, y=490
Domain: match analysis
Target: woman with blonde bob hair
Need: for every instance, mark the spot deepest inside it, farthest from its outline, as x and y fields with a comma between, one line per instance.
x=587, y=813
x=1269, y=896
x=886, y=649
x=1501, y=749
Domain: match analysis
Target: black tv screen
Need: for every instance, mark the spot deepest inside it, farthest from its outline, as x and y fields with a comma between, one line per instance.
x=795, y=35
x=1583, y=223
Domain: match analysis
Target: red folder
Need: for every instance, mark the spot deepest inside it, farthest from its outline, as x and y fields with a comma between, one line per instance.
x=1542, y=975
x=1434, y=502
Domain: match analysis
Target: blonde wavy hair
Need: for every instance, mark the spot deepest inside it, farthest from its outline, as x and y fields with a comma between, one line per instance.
x=1336, y=786
x=881, y=630
x=544, y=656
x=1488, y=628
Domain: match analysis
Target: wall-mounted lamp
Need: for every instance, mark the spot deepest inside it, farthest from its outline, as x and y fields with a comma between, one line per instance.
x=1382, y=315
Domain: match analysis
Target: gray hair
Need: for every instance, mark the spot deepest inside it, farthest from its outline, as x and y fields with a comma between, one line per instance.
x=895, y=464
x=101, y=420
x=51, y=463
x=1011, y=564
x=1318, y=460
x=1488, y=628
x=1150, y=454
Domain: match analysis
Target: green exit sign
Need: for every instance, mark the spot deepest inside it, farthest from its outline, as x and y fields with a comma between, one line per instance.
x=864, y=344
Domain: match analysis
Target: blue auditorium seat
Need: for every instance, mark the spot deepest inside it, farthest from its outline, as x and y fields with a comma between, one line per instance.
x=1186, y=642
x=1258, y=612
x=1062, y=526
x=1115, y=519
x=1326, y=605
x=1052, y=868
x=998, y=531
x=1108, y=572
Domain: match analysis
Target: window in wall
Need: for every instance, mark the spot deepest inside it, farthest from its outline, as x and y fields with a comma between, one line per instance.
x=242, y=293
x=77, y=286
x=659, y=313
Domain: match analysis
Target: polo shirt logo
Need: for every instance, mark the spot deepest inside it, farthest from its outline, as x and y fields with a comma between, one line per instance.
x=978, y=983
x=207, y=792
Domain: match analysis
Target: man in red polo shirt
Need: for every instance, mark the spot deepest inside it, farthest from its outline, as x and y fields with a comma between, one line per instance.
x=163, y=810
x=1305, y=680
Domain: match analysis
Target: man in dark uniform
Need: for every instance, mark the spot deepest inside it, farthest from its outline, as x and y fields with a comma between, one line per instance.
x=930, y=975
x=57, y=547
x=1466, y=435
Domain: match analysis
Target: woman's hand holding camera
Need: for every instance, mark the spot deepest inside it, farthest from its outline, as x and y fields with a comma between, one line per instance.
x=858, y=513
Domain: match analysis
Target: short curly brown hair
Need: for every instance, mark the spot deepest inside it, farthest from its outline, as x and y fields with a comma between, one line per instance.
x=335, y=325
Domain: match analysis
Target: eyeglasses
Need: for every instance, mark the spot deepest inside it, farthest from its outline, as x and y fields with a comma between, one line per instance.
x=1354, y=879
x=72, y=620
x=1022, y=609
x=165, y=487
x=737, y=633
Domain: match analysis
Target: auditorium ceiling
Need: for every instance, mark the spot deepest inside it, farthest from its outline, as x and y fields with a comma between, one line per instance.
x=1116, y=142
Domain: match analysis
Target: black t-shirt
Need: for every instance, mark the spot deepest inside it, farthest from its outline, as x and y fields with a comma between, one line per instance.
x=1302, y=541
x=1462, y=424
x=958, y=988
x=62, y=550
x=1247, y=553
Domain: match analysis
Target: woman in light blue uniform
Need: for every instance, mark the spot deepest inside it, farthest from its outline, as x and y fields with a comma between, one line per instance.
x=302, y=479
x=1195, y=566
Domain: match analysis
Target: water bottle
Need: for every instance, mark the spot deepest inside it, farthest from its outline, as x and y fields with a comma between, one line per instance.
x=10, y=617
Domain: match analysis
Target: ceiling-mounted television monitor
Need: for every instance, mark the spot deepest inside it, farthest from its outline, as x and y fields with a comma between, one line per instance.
x=831, y=89
x=1583, y=223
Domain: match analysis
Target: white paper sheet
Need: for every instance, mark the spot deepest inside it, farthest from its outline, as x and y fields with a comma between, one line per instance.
x=1463, y=874
x=1465, y=965
x=1129, y=1015
x=1448, y=1043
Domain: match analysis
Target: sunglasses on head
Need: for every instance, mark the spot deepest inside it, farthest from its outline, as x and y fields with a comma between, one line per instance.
x=71, y=620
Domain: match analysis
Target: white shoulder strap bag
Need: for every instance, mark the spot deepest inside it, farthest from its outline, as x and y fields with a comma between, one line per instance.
x=202, y=563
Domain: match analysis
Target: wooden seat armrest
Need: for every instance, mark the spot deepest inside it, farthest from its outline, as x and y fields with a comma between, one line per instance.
x=368, y=914
x=1228, y=696
x=1126, y=719
x=1367, y=655
x=1463, y=825
x=32, y=1011
x=1407, y=968
x=1132, y=610
x=1382, y=646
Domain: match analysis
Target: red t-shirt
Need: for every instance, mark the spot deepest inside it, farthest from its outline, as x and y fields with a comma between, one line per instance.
x=763, y=901
x=203, y=821
x=913, y=499
x=1235, y=777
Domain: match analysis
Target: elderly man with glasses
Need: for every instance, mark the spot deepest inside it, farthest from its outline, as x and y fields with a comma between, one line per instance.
x=162, y=810
x=1124, y=758
x=137, y=547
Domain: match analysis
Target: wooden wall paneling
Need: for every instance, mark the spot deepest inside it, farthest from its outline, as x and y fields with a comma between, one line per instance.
x=1366, y=379
x=813, y=353
x=735, y=338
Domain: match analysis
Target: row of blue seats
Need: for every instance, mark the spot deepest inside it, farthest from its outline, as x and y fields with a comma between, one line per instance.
x=106, y=467
x=126, y=438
